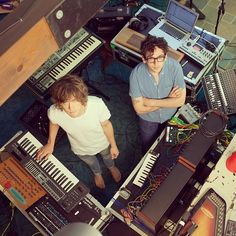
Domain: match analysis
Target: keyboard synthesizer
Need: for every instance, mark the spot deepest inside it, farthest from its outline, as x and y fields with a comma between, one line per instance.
x=74, y=54
x=53, y=176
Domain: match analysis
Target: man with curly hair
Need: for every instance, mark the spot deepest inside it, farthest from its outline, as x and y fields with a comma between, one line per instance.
x=85, y=120
x=157, y=88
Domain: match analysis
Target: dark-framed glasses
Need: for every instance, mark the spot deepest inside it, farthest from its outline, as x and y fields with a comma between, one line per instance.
x=156, y=59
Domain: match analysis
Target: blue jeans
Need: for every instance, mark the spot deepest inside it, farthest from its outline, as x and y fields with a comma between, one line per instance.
x=150, y=131
x=93, y=163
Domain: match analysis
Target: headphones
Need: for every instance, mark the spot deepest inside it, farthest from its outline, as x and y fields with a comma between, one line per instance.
x=138, y=23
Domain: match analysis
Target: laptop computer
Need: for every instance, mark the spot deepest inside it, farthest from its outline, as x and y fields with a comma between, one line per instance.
x=177, y=25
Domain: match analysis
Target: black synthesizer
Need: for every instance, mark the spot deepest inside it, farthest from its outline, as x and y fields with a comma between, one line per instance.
x=74, y=54
x=51, y=217
x=53, y=176
x=220, y=92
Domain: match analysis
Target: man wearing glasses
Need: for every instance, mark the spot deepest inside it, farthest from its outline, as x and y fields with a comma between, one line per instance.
x=157, y=88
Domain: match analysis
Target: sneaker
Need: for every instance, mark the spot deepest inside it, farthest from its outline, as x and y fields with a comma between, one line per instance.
x=99, y=181
x=115, y=174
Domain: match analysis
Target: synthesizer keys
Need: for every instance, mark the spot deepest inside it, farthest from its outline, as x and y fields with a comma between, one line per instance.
x=145, y=169
x=74, y=54
x=53, y=176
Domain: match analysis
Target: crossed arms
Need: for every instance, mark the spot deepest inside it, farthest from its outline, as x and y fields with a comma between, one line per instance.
x=176, y=98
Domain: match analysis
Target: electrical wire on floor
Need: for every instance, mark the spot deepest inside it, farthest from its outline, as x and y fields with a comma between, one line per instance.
x=12, y=215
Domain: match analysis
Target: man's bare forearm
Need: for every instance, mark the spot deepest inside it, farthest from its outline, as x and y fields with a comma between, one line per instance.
x=165, y=102
x=109, y=132
x=147, y=109
x=140, y=108
x=53, y=130
x=171, y=101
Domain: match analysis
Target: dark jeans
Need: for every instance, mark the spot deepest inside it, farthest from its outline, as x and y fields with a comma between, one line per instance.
x=150, y=131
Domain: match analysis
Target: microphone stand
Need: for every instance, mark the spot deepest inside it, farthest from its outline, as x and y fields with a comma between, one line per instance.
x=221, y=10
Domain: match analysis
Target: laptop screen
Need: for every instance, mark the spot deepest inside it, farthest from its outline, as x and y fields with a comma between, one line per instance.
x=182, y=17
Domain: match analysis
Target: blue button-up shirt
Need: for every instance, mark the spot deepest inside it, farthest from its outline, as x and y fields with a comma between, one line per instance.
x=142, y=84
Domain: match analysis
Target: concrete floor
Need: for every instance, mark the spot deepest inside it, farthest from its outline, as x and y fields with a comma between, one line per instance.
x=226, y=26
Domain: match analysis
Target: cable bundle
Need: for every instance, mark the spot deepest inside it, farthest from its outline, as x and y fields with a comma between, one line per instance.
x=207, y=132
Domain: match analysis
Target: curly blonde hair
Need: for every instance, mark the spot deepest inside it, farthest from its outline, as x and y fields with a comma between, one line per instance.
x=69, y=86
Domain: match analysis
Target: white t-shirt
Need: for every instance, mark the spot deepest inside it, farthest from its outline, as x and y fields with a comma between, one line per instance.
x=85, y=133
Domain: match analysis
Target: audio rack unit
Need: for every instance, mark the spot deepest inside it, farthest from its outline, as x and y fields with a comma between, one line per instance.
x=220, y=93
